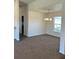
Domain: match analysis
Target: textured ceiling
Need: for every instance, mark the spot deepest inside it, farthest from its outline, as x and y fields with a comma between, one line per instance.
x=45, y=5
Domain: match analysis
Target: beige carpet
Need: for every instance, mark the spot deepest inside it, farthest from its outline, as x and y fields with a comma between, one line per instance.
x=38, y=47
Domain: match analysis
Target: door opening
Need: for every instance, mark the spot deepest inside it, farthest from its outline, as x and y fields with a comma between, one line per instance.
x=22, y=27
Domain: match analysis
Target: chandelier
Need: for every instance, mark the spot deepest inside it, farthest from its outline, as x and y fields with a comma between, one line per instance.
x=48, y=18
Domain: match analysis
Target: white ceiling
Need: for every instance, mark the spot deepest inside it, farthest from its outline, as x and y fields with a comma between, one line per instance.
x=45, y=5
x=27, y=1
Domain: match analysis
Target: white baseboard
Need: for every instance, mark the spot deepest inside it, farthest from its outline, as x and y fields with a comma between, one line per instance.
x=16, y=39
x=34, y=35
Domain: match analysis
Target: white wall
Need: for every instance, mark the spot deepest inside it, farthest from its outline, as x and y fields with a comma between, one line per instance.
x=36, y=24
x=50, y=25
x=50, y=29
x=20, y=14
x=26, y=21
x=62, y=38
x=16, y=19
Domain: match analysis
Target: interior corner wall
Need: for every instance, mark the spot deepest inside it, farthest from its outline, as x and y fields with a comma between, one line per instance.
x=50, y=25
x=50, y=29
x=36, y=24
x=16, y=19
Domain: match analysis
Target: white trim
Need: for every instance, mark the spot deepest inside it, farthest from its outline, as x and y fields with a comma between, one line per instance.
x=61, y=52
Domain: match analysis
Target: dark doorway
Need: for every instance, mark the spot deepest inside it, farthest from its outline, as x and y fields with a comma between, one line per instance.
x=22, y=28
x=22, y=36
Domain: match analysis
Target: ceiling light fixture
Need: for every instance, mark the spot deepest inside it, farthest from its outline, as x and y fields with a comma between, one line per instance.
x=48, y=18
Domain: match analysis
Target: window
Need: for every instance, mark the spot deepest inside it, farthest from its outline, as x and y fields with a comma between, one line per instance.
x=57, y=23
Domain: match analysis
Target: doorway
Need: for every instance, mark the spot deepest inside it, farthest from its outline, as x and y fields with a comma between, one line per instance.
x=22, y=26
x=22, y=21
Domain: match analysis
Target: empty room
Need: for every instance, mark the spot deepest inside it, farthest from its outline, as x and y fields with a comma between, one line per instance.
x=39, y=29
